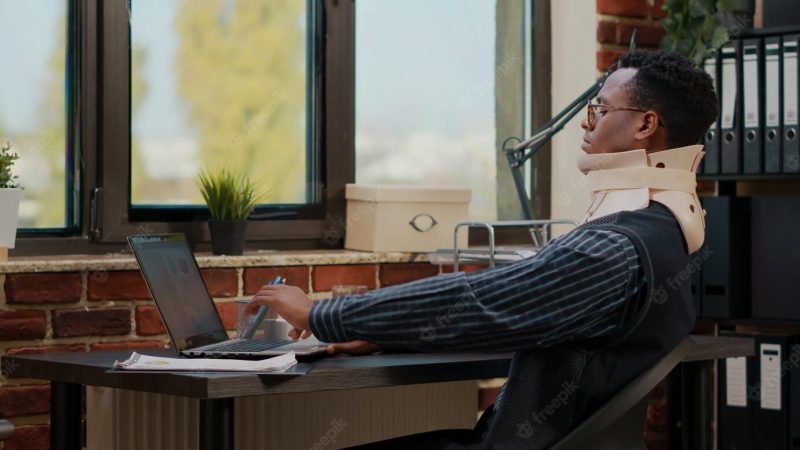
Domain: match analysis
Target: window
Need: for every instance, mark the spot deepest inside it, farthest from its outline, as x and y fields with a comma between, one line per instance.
x=35, y=47
x=440, y=85
x=235, y=82
x=114, y=111
x=219, y=84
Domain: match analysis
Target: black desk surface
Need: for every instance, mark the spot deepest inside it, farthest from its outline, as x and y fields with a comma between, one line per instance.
x=332, y=373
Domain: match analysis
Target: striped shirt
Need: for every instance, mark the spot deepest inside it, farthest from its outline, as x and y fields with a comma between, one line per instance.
x=574, y=288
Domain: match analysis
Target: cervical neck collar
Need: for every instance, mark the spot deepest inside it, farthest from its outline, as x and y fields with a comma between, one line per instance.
x=628, y=181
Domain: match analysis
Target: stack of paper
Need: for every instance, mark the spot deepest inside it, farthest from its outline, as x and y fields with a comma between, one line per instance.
x=145, y=362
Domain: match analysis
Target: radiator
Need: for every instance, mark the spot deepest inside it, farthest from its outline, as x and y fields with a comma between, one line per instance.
x=129, y=420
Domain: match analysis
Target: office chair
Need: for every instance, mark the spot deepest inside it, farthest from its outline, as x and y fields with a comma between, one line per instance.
x=6, y=430
x=619, y=423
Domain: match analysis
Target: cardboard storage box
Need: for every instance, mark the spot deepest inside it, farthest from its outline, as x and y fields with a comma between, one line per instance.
x=404, y=218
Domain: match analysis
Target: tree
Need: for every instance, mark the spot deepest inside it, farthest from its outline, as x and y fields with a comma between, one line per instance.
x=241, y=66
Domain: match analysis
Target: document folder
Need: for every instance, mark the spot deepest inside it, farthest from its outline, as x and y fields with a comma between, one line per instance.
x=752, y=153
x=736, y=401
x=735, y=411
x=730, y=157
x=791, y=140
x=711, y=139
x=773, y=133
x=771, y=426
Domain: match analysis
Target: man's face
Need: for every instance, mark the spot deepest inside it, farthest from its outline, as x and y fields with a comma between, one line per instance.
x=613, y=130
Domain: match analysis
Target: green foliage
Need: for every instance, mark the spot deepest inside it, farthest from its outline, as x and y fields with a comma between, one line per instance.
x=693, y=28
x=7, y=158
x=229, y=195
x=241, y=72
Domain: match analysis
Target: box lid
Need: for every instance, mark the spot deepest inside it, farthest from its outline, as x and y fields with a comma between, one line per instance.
x=407, y=193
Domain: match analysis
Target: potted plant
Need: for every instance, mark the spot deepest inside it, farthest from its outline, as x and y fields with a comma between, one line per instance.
x=230, y=198
x=697, y=28
x=10, y=194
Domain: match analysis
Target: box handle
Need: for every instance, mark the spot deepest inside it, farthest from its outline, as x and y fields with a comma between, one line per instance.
x=423, y=226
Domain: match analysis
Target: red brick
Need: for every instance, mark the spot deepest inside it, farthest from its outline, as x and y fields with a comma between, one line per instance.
x=128, y=345
x=221, y=282
x=20, y=325
x=605, y=58
x=227, y=311
x=256, y=277
x=86, y=322
x=46, y=349
x=627, y=8
x=647, y=34
x=464, y=268
x=606, y=32
x=29, y=437
x=403, y=273
x=127, y=285
x=24, y=400
x=486, y=397
x=148, y=321
x=326, y=277
x=657, y=10
x=35, y=288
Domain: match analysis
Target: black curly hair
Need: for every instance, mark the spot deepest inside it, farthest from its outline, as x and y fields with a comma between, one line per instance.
x=678, y=91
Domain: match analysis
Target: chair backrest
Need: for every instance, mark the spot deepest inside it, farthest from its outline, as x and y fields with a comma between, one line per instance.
x=619, y=423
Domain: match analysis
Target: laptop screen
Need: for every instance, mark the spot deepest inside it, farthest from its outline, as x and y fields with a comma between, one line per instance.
x=178, y=289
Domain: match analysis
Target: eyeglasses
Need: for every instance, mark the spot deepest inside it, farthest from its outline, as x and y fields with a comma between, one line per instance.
x=591, y=112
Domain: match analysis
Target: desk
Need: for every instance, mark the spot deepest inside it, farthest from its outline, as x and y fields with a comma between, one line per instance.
x=216, y=391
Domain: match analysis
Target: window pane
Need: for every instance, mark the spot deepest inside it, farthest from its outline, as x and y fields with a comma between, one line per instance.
x=217, y=83
x=33, y=48
x=425, y=95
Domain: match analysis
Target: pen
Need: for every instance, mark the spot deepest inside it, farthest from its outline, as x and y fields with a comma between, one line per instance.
x=258, y=317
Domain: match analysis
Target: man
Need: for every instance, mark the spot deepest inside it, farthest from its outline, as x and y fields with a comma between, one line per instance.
x=595, y=307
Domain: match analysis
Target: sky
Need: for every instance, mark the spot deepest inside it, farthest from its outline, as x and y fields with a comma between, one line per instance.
x=409, y=52
x=29, y=30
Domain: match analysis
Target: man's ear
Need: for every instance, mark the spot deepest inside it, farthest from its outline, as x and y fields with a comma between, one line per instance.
x=648, y=126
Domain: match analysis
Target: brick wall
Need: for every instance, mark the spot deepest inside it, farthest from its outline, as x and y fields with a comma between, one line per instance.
x=111, y=310
x=616, y=21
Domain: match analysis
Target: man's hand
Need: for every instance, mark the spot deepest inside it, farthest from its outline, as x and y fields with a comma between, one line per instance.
x=353, y=348
x=290, y=302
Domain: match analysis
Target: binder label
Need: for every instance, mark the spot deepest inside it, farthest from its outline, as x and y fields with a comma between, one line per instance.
x=790, y=83
x=736, y=381
x=771, y=376
x=772, y=85
x=728, y=87
x=750, y=72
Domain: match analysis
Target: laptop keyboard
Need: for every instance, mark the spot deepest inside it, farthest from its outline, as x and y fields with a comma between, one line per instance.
x=254, y=345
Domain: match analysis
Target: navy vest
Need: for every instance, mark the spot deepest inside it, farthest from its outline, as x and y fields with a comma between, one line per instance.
x=551, y=391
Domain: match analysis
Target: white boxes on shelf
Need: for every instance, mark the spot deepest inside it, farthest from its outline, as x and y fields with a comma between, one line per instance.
x=404, y=218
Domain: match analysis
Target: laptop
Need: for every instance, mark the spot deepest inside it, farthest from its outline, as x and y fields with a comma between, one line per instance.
x=187, y=310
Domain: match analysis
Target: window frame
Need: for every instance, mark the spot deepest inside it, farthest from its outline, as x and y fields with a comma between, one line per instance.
x=101, y=137
x=114, y=218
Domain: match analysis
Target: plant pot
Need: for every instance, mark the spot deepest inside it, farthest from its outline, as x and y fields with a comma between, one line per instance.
x=227, y=236
x=9, y=216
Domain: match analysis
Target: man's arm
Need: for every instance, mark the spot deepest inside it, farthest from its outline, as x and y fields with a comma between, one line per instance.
x=574, y=288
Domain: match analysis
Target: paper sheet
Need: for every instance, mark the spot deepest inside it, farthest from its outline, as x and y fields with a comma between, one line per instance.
x=145, y=362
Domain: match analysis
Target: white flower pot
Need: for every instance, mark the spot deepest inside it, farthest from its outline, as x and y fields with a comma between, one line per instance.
x=9, y=215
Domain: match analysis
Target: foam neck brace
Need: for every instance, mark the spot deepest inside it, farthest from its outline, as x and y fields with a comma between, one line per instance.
x=628, y=181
